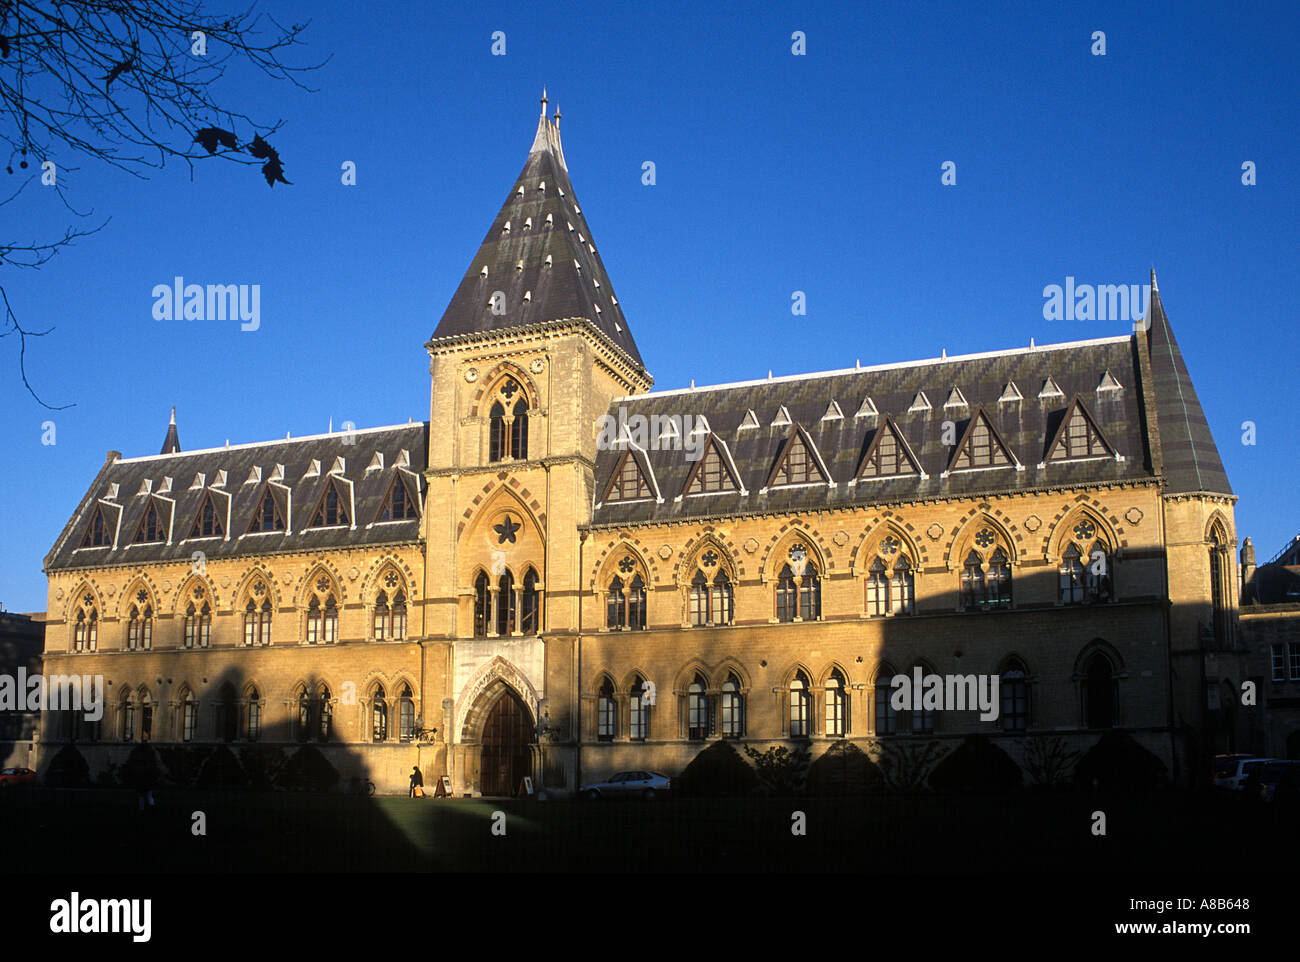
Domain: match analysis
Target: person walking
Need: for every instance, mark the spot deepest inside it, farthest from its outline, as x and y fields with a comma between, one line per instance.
x=417, y=781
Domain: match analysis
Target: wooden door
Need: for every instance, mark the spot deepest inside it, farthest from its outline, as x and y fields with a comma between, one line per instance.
x=506, y=755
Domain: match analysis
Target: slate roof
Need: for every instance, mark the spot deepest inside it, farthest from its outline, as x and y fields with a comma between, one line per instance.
x=1191, y=459
x=369, y=489
x=515, y=253
x=1273, y=584
x=1026, y=426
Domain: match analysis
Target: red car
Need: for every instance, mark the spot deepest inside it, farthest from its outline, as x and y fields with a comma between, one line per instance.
x=17, y=776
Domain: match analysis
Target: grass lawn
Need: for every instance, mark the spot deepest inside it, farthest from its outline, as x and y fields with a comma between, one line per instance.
x=102, y=830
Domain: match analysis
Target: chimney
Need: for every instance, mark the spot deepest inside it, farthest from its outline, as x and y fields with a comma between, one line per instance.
x=1247, y=562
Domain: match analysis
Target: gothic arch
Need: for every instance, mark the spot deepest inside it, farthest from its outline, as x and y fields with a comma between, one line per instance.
x=624, y=542
x=138, y=579
x=1093, y=647
x=1217, y=517
x=793, y=669
x=489, y=383
x=307, y=586
x=611, y=564
x=964, y=534
x=1063, y=531
x=728, y=666
x=821, y=680
x=686, y=675
x=373, y=580
x=630, y=679
x=599, y=680
x=778, y=548
x=481, y=541
x=77, y=600
x=250, y=577
x=688, y=558
x=185, y=593
x=876, y=529
x=480, y=695
x=528, y=505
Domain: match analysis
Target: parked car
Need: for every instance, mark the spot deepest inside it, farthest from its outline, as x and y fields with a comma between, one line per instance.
x=1228, y=766
x=1234, y=778
x=646, y=785
x=10, y=777
x=1279, y=781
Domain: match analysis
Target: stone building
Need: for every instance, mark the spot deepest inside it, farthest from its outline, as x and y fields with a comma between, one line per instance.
x=1270, y=629
x=563, y=574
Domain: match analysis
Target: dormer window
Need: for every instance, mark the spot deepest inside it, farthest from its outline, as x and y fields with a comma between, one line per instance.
x=400, y=504
x=208, y=523
x=151, y=525
x=98, y=535
x=333, y=509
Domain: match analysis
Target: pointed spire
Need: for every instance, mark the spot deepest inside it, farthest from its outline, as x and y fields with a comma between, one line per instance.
x=544, y=275
x=172, y=442
x=1190, y=458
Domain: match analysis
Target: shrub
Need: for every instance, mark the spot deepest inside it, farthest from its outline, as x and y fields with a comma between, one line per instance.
x=67, y=769
x=844, y=769
x=307, y=770
x=717, y=771
x=781, y=771
x=976, y=765
x=1118, y=763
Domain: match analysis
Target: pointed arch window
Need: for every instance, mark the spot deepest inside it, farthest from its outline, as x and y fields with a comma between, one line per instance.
x=98, y=533
x=886, y=714
x=379, y=716
x=189, y=717
x=257, y=623
x=606, y=712
x=326, y=726
x=711, y=601
x=304, y=715
x=1219, y=587
x=482, y=605
x=390, y=619
x=837, y=705
x=1071, y=576
x=638, y=712
x=198, y=625
x=253, y=716
x=999, y=580
x=322, y=614
x=208, y=522
x=333, y=509
x=531, y=620
x=151, y=525
x=625, y=604
x=508, y=423
x=922, y=718
x=1014, y=684
x=506, y=612
x=406, y=715
x=85, y=629
x=787, y=597
x=877, y=590
x=268, y=516
x=227, y=714
x=810, y=594
x=904, y=586
x=732, y=708
x=1099, y=692
x=800, y=706
x=139, y=627
x=128, y=718
x=400, y=504
x=698, y=720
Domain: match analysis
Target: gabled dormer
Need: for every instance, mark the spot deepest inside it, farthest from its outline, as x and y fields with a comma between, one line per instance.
x=981, y=447
x=401, y=501
x=888, y=455
x=632, y=479
x=1078, y=437
x=334, y=507
x=271, y=512
x=798, y=463
x=211, y=520
x=714, y=473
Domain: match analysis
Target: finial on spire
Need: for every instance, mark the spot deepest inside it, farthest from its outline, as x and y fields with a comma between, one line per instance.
x=1154, y=287
x=543, y=101
x=557, y=115
x=173, y=420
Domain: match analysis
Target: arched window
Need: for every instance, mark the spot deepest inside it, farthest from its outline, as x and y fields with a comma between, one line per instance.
x=877, y=590
x=786, y=595
x=497, y=432
x=1099, y=692
x=253, y=723
x=1098, y=574
x=986, y=573
x=531, y=623
x=227, y=714
x=698, y=723
x=151, y=525
x=1219, y=588
x=1014, y=683
x=381, y=616
x=800, y=707
x=482, y=605
x=519, y=431
x=722, y=599
x=904, y=585
x=886, y=714
x=810, y=594
x=973, y=593
x=406, y=715
x=732, y=708
x=638, y=712
x=922, y=719
x=322, y=614
x=837, y=705
x=625, y=606
x=711, y=603
x=699, y=599
x=379, y=716
x=85, y=627
x=303, y=731
x=139, y=628
x=606, y=712
x=128, y=718
x=508, y=423
x=257, y=623
x=506, y=604
x=326, y=727
x=1071, y=576
x=189, y=717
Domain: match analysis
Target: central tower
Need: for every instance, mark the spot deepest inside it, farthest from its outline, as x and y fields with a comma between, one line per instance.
x=527, y=356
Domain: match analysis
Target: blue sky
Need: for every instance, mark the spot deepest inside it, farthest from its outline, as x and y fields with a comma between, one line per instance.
x=775, y=173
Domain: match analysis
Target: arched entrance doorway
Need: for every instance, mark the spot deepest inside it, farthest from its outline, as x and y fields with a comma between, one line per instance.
x=507, y=737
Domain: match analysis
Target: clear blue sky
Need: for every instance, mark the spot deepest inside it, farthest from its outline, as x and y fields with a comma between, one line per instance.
x=775, y=173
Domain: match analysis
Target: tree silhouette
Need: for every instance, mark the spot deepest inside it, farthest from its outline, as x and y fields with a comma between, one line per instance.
x=128, y=83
